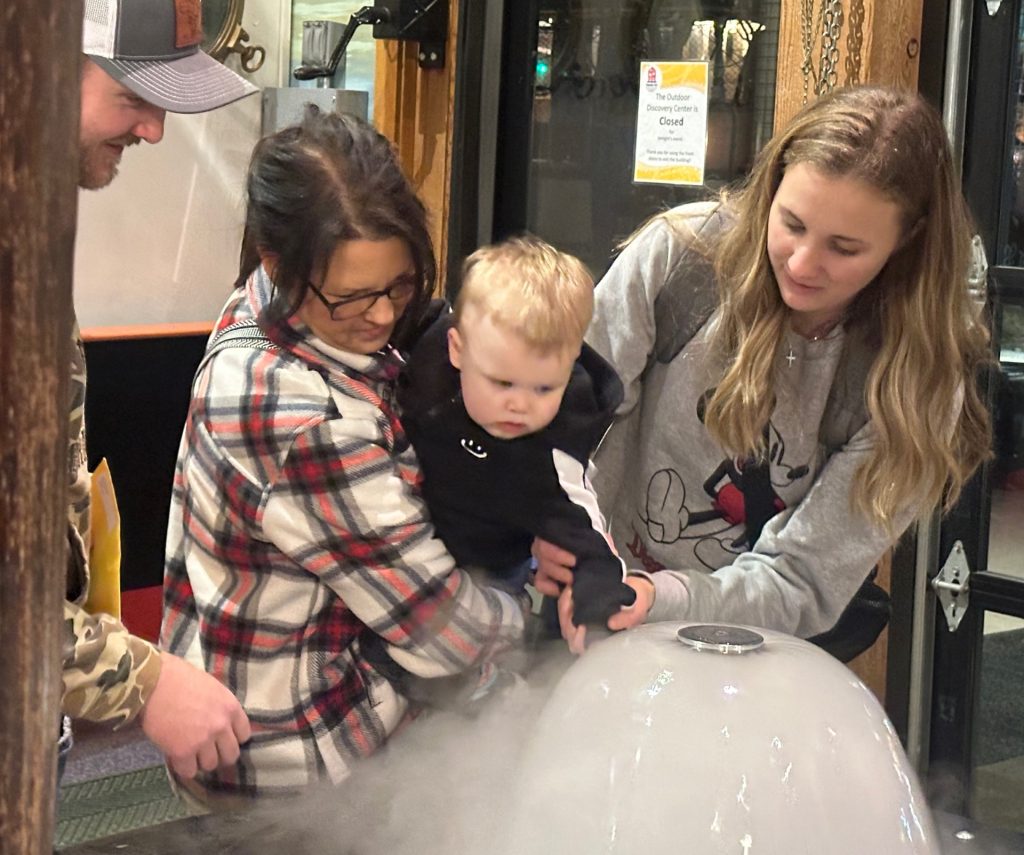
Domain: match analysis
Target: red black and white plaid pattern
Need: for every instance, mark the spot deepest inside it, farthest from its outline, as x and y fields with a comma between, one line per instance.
x=296, y=531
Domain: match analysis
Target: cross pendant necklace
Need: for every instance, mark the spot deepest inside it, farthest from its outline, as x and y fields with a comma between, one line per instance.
x=817, y=334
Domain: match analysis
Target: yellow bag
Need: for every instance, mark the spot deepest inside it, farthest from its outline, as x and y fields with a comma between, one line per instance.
x=105, y=550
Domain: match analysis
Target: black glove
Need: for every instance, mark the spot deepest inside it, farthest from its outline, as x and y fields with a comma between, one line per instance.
x=598, y=592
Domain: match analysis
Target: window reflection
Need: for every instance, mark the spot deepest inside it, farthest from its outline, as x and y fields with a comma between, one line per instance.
x=998, y=752
x=1009, y=431
x=1012, y=248
x=1016, y=242
x=998, y=779
x=581, y=196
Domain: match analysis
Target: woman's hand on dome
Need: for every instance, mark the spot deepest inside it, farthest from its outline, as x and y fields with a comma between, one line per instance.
x=629, y=616
x=626, y=618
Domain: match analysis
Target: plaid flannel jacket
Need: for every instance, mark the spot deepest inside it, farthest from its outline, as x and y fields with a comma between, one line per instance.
x=296, y=531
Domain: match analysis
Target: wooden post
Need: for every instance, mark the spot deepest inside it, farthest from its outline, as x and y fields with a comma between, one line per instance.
x=888, y=33
x=40, y=41
x=415, y=109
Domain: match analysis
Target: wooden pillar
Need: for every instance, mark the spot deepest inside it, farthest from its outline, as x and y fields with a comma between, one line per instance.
x=414, y=108
x=888, y=33
x=40, y=41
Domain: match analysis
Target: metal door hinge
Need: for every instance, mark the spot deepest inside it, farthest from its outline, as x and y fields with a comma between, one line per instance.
x=952, y=587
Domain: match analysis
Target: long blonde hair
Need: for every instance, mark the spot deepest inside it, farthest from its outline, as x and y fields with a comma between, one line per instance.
x=917, y=315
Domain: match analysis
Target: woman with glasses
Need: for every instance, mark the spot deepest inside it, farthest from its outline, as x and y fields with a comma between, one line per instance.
x=299, y=551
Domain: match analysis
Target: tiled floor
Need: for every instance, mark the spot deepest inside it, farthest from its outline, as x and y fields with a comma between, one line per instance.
x=99, y=751
x=100, y=808
x=114, y=781
x=997, y=789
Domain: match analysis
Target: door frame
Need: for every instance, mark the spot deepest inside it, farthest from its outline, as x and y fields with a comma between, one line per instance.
x=992, y=85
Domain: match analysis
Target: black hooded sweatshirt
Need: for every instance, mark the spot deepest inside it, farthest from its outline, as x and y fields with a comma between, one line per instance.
x=489, y=497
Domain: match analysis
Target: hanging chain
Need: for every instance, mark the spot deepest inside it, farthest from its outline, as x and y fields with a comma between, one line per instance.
x=808, y=34
x=827, y=27
x=854, y=42
x=830, y=33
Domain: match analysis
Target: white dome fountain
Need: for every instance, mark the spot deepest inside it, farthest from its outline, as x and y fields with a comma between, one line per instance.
x=684, y=738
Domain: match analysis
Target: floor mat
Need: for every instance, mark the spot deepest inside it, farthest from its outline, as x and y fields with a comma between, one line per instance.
x=1000, y=718
x=106, y=806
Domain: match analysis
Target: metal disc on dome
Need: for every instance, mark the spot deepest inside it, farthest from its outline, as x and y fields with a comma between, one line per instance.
x=721, y=639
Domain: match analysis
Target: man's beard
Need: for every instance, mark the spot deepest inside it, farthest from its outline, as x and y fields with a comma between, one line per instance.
x=97, y=166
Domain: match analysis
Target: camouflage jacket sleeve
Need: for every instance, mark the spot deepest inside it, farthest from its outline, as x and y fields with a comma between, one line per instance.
x=77, y=585
x=108, y=673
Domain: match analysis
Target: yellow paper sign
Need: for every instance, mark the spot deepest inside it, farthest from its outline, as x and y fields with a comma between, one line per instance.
x=672, y=121
x=105, y=551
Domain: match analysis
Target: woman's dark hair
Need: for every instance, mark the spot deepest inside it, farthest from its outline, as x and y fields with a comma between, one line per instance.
x=330, y=178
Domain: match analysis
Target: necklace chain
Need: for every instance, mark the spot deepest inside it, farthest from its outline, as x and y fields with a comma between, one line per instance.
x=822, y=330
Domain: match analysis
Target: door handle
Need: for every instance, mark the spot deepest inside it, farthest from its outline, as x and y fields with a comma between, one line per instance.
x=952, y=586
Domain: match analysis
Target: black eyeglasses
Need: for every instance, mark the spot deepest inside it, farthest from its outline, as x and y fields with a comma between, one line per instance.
x=352, y=307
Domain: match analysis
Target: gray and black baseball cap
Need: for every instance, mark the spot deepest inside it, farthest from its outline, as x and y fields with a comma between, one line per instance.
x=152, y=48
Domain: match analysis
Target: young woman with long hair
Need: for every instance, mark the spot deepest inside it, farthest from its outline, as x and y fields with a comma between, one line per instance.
x=800, y=360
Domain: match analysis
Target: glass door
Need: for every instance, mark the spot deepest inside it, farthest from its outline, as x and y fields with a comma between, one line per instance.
x=568, y=110
x=976, y=747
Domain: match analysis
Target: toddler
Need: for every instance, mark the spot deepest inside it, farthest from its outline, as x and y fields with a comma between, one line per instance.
x=504, y=404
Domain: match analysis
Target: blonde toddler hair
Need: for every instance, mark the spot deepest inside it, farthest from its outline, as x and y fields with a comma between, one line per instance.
x=527, y=287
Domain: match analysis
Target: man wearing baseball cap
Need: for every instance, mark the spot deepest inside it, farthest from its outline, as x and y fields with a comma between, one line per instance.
x=141, y=59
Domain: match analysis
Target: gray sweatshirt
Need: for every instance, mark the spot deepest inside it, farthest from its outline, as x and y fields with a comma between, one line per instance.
x=672, y=494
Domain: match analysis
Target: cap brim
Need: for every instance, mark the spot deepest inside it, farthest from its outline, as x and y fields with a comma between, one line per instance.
x=192, y=84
